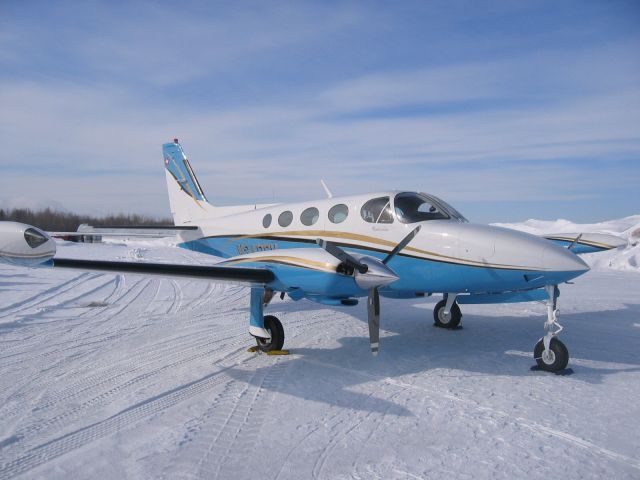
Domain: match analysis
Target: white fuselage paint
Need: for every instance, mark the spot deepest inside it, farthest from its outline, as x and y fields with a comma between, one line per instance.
x=438, y=240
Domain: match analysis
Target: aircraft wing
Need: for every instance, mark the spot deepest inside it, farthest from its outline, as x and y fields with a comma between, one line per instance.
x=25, y=245
x=580, y=243
x=232, y=274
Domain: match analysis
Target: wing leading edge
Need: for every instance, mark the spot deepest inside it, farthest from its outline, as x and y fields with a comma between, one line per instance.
x=231, y=274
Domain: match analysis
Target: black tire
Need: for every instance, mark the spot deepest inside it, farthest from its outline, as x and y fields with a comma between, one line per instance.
x=452, y=321
x=274, y=327
x=559, y=356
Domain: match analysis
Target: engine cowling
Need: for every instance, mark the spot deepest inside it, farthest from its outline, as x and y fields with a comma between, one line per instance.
x=24, y=245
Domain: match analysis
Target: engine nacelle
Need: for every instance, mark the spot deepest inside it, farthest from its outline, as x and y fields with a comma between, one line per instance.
x=24, y=245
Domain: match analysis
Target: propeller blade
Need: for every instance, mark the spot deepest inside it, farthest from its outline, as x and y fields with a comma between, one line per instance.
x=373, y=313
x=575, y=240
x=341, y=255
x=403, y=243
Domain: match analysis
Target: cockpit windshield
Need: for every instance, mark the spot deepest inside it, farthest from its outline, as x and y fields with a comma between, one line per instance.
x=411, y=207
x=455, y=214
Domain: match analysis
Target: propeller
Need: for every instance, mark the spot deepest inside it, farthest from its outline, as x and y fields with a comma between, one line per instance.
x=373, y=315
x=575, y=240
x=379, y=274
x=403, y=243
x=348, y=261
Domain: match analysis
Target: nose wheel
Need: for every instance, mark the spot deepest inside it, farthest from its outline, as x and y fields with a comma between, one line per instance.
x=553, y=359
x=550, y=353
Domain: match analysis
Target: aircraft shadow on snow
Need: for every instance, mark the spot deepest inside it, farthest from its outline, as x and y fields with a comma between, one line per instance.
x=604, y=343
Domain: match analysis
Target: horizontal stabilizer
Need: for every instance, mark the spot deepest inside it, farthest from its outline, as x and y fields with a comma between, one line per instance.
x=142, y=231
x=136, y=227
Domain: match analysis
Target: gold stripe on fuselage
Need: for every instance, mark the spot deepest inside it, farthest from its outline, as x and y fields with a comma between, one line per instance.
x=379, y=241
x=589, y=243
x=287, y=260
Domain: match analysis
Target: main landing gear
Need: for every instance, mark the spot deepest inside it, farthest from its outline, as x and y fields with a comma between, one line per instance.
x=274, y=327
x=550, y=353
x=446, y=313
x=266, y=329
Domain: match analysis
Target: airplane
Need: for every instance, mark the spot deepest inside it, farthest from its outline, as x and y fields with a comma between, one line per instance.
x=334, y=251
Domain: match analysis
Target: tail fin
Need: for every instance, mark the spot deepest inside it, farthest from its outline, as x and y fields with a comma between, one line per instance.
x=186, y=198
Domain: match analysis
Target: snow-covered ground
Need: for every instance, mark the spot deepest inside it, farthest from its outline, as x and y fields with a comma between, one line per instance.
x=119, y=376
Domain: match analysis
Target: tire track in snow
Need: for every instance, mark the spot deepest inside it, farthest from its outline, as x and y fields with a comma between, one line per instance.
x=75, y=341
x=36, y=431
x=120, y=421
x=178, y=298
x=243, y=427
x=44, y=295
x=519, y=421
x=143, y=359
x=237, y=339
x=231, y=423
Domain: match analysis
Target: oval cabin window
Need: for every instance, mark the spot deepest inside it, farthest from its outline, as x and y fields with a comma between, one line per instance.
x=285, y=219
x=266, y=221
x=338, y=213
x=309, y=216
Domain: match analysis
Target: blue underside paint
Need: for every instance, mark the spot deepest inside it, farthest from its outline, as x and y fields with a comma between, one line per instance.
x=416, y=275
x=45, y=261
x=512, y=297
x=256, y=315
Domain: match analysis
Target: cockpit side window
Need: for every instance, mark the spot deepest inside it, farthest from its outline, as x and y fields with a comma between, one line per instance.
x=377, y=210
x=412, y=207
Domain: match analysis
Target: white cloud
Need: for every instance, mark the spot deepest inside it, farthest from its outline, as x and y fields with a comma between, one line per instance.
x=74, y=142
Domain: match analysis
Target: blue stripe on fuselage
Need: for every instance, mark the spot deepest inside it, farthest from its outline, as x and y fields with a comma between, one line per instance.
x=416, y=275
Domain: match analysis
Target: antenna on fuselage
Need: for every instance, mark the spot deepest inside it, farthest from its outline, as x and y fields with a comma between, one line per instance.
x=326, y=189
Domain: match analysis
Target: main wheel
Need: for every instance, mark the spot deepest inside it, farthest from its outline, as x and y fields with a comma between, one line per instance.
x=451, y=320
x=555, y=360
x=274, y=327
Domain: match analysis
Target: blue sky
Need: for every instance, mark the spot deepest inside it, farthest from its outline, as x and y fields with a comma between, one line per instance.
x=510, y=110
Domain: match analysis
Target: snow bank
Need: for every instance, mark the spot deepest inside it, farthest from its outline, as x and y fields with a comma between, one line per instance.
x=627, y=258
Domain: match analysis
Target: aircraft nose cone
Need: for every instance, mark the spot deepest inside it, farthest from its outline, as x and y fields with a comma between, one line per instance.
x=558, y=259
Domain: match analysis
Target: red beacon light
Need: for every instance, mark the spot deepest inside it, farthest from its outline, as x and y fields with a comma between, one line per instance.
x=175, y=140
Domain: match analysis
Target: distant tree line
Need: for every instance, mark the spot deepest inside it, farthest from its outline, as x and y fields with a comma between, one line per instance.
x=56, y=221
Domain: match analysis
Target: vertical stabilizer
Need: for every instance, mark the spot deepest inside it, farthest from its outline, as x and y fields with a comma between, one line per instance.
x=186, y=198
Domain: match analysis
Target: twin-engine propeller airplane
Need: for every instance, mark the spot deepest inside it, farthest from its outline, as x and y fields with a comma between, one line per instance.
x=336, y=250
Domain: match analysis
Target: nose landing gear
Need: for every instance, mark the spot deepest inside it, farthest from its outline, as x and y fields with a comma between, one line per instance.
x=550, y=353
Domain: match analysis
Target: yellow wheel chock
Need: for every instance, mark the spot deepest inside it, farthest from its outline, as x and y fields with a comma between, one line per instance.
x=272, y=352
